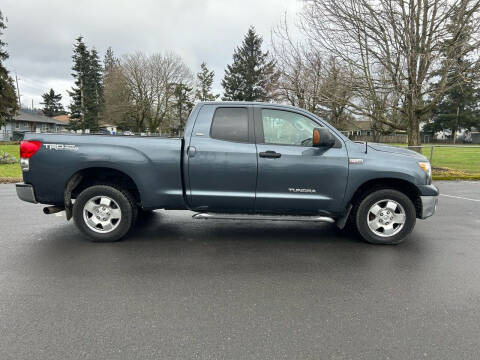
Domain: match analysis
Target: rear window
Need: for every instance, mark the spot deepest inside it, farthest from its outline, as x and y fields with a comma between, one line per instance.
x=230, y=124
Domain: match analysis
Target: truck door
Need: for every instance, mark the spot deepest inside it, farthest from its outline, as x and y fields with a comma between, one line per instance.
x=293, y=176
x=222, y=159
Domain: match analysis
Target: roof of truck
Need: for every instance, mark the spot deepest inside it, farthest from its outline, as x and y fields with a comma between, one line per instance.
x=246, y=103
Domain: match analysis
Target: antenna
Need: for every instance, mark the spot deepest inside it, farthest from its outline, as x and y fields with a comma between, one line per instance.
x=366, y=146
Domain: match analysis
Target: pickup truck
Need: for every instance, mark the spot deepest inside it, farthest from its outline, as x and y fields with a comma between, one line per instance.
x=236, y=160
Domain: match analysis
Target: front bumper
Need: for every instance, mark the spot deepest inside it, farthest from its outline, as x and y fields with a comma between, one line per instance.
x=26, y=192
x=429, y=206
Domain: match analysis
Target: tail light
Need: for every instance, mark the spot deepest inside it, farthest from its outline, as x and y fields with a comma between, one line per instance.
x=29, y=148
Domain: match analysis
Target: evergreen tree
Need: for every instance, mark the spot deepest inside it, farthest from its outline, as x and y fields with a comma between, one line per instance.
x=251, y=76
x=459, y=107
x=182, y=103
x=52, y=105
x=87, y=94
x=95, y=90
x=109, y=61
x=8, y=98
x=205, y=81
x=81, y=69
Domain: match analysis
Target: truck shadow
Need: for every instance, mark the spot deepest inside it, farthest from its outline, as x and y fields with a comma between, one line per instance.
x=164, y=245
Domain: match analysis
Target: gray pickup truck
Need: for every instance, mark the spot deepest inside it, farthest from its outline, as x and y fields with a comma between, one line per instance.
x=237, y=160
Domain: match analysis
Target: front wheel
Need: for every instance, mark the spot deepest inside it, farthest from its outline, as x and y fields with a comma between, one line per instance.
x=104, y=213
x=385, y=217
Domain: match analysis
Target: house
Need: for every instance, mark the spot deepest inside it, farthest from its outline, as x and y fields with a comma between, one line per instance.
x=464, y=135
x=29, y=121
x=362, y=130
x=63, y=118
x=358, y=128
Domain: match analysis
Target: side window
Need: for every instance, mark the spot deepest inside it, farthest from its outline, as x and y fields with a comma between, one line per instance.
x=287, y=128
x=230, y=124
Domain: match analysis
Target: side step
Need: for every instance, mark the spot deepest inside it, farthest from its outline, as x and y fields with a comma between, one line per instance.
x=205, y=216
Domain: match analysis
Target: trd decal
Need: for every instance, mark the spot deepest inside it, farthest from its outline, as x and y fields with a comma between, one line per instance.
x=66, y=147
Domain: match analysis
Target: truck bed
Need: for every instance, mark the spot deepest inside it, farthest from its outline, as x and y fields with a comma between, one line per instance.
x=153, y=163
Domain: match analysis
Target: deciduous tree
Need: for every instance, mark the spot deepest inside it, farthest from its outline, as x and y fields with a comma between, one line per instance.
x=396, y=50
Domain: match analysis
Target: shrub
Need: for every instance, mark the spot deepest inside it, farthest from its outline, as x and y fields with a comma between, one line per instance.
x=7, y=158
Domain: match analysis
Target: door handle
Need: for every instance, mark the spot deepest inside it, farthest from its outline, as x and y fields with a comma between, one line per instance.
x=191, y=151
x=270, y=154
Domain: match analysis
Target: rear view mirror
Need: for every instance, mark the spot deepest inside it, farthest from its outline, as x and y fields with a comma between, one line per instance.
x=322, y=137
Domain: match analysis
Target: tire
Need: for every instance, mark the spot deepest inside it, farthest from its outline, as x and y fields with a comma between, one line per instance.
x=385, y=216
x=104, y=213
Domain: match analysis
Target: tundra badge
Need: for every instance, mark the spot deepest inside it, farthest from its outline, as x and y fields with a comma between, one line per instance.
x=302, y=190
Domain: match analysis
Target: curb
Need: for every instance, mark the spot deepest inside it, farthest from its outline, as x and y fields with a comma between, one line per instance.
x=10, y=180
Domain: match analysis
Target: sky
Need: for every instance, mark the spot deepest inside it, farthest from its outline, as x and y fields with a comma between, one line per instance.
x=40, y=34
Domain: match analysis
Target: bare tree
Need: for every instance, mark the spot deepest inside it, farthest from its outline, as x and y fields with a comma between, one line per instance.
x=136, y=74
x=396, y=48
x=119, y=108
x=150, y=83
x=166, y=71
x=309, y=78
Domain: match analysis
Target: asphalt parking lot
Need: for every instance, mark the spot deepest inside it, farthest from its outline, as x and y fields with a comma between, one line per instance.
x=179, y=288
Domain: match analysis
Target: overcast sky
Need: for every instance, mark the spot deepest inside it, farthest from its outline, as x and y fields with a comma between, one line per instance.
x=40, y=34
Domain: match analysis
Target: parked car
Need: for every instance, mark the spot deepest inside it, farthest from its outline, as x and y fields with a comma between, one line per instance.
x=237, y=160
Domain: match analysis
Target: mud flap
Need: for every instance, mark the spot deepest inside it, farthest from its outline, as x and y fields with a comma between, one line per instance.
x=72, y=184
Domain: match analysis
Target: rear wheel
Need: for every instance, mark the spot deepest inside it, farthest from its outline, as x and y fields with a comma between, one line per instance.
x=385, y=217
x=104, y=212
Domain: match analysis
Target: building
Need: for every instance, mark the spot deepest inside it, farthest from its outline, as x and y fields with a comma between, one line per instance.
x=358, y=128
x=63, y=118
x=29, y=121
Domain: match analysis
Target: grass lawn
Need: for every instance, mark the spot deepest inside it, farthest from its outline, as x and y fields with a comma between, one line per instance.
x=11, y=170
x=464, y=159
x=453, y=163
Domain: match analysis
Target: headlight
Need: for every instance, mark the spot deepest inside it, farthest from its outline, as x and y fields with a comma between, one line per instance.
x=427, y=168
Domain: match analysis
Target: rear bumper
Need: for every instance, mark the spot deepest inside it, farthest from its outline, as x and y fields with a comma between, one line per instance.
x=26, y=192
x=429, y=206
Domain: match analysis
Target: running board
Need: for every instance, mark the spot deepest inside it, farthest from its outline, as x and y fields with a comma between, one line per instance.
x=205, y=216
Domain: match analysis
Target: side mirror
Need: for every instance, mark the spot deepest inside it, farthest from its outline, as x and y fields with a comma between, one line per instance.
x=322, y=137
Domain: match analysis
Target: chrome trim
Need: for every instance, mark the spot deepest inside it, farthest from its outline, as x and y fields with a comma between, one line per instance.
x=25, y=164
x=429, y=206
x=26, y=192
x=205, y=216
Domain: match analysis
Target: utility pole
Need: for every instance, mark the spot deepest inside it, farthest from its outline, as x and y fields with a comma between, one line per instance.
x=18, y=92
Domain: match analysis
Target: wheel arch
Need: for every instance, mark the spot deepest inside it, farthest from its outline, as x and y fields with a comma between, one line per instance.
x=401, y=185
x=86, y=177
